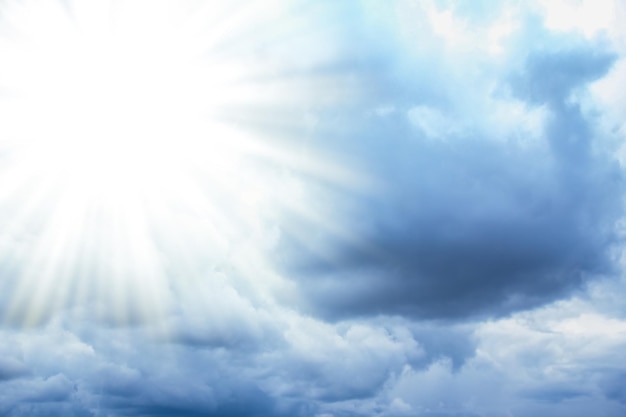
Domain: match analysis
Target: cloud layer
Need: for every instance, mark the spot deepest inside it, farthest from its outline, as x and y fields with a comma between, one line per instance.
x=431, y=225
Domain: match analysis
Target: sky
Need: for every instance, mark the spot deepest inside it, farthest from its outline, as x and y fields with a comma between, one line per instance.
x=298, y=208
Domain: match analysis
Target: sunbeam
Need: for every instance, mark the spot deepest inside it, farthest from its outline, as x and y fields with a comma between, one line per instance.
x=134, y=140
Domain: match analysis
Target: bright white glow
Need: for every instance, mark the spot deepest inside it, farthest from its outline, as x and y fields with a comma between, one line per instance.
x=499, y=32
x=446, y=25
x=129, y=156
x=588, y=16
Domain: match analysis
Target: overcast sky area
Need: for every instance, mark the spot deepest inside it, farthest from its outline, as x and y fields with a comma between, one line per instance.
x=294, y=208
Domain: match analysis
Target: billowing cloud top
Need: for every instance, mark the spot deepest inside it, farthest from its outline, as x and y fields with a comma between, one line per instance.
x=324, y=209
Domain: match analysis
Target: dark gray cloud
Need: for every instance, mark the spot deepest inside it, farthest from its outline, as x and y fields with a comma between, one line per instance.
x=87, y=379
x=555, y=394
x=36, y=395
x=550, y=76
x=614, y=386
x=451, y=342
x=244, y=401
x=11, y=368
x=48, y=409
x=467, y=224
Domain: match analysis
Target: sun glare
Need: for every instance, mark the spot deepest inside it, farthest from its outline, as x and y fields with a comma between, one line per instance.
x=121, y=158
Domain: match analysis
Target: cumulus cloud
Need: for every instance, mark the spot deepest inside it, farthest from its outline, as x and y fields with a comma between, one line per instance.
x=471, y=220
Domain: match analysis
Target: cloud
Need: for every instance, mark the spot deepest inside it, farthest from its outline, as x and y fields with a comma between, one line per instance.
x=445, y=241
x=554, y=394
x=613, y=386
x=550, y=76
x=533, y=363
x=453, y=343
x=484, y=220
x=142, y=376
x=11, y=368
x=558, y=360
x=347, y=362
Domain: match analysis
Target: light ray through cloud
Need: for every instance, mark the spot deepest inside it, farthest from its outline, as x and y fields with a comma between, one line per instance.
x=312, y=208
x=126, y=130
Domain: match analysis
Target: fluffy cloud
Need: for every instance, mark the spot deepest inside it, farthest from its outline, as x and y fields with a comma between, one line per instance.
x=438, y=232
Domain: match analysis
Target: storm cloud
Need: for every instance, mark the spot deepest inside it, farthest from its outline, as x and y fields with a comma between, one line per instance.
x=470, y=220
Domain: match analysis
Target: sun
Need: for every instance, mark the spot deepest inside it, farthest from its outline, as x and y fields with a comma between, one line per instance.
x=122, y=101
x=131, y=149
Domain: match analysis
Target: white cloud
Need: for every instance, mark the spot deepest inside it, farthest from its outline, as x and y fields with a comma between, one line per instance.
x=587, y=16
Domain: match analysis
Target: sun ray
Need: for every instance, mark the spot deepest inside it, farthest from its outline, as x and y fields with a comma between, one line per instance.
x=145, y=143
